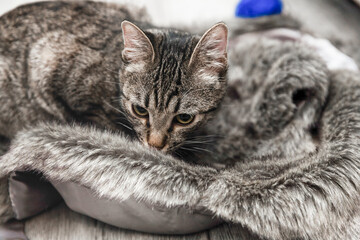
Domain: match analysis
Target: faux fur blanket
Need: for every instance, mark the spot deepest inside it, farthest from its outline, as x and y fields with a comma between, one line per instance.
x=290, y=133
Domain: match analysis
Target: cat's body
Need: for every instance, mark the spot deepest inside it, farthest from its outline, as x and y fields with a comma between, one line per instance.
x=26, y=96
x=65, y=62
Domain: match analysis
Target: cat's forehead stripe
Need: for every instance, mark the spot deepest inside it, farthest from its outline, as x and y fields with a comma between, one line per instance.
x=158, y=73
x=177, y=106
x=167, y=81
x=146, y=100
x=171, y=95
x=172, y=49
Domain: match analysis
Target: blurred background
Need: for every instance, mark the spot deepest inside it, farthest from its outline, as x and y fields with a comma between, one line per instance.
x=336, y=20
x=167, y=12
x=320, y=14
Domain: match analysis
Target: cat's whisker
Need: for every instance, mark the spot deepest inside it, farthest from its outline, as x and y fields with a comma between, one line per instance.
x=206, y=137
x=202, y=149
x=116, y=99
x=113, y=82
x=178, y=154
x=112, y=71
x=198, y=142
x=185, y=148
x=122, y=118
x=191, y=148
x=195, y=141
x=116, y=109
x=126, y=126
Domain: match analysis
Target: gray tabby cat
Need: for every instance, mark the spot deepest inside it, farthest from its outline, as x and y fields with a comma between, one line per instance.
x=65, y=62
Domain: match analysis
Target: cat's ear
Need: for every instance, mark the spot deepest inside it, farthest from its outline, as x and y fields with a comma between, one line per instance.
x=138, y=48
x=210, y=55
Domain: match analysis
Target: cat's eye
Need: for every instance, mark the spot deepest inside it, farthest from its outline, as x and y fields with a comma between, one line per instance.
x=184, y=119
x=140, y=111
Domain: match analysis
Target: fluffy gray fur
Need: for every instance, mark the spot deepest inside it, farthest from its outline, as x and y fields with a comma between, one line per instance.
x=286, y=193
x=274, y=101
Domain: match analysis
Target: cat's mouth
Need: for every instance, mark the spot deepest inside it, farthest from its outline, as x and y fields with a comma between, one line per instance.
x=163, y=148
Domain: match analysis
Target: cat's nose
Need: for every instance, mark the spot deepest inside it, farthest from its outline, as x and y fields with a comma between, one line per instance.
x=157, y=140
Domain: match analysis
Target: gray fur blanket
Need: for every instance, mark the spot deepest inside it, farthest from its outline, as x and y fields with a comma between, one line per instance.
x=285, y=165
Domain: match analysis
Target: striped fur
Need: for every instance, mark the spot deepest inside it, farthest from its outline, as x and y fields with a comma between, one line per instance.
x=85, y=64
x=185, y=75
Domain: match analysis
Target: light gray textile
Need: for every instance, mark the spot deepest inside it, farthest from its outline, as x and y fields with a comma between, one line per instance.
x=30, y=194
x=13, y=230
x=133, y=214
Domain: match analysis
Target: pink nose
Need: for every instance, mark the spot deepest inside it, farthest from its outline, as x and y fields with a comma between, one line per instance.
x=156, y=140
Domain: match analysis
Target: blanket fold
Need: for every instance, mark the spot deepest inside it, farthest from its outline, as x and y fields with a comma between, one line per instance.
x=313, y=196
x=291, y=163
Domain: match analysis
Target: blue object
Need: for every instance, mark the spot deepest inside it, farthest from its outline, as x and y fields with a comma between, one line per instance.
x=258, y=8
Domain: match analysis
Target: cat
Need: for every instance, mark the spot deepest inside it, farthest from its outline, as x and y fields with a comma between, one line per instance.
x=87, y=63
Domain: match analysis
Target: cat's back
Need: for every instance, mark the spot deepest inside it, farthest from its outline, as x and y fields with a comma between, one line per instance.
x=92, y=22
x=38, y=45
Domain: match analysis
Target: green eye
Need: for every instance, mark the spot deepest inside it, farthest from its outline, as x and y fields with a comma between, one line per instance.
x=184, y=119
x=140, y=111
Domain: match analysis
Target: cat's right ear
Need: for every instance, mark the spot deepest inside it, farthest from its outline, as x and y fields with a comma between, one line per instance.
x=138, y=49
x=210, y=56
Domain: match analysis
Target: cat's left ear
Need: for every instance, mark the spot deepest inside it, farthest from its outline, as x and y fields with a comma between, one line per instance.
x=210, y=55
x=138, y=48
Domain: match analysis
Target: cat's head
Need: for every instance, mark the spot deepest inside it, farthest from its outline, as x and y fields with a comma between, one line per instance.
x=171, y=81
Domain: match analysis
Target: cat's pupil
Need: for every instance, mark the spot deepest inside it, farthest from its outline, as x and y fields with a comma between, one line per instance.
x=141, y=110
x=185, y=117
